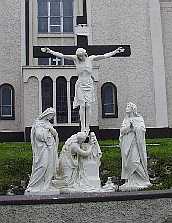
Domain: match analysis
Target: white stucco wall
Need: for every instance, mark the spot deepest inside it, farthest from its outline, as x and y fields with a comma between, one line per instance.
x=166, y=15
x=31, y=101
x=126, y=22
x=10, y=58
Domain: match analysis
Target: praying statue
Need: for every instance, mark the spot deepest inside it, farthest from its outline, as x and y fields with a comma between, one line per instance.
x=84, y=88
x=44, y=140
x=133, y=151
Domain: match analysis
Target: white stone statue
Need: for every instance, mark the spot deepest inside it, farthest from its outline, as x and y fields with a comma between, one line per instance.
x=44, y=140
x=89, y=166
x=79, y=164
x=69, y=158
x=133, y=151
x=84, y=88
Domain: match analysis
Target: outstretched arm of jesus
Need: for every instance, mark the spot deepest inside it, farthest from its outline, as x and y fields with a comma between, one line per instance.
x=107, y=55
x=57, y=54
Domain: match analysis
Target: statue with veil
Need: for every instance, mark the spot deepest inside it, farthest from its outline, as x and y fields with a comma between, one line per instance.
x=133, y=151
x=44, y=140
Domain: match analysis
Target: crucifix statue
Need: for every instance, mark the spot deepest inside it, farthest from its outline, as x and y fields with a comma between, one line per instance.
x=84, y=88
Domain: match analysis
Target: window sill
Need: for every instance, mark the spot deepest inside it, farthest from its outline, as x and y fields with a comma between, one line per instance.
x=55, y=35
x=7, y=118
x=109, y=116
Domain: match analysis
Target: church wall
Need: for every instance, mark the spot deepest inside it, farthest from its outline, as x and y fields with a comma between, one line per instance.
x=132, y=76
x=67, y=41
x=10, y=58
x=31, y=102
x=166, y=16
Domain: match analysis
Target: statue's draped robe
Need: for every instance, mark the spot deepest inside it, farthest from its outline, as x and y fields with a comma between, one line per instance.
x=133, y=151
x=45, y=157
x=89, y=168
x=74, y=165
x=68, y=164
x=84, y=87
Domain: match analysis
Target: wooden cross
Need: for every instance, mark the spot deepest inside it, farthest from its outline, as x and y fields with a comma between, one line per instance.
x=91, y=50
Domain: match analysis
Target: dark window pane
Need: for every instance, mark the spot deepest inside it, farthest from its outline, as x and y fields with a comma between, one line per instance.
x=109, y=108
x=47, y=93
x=68, y=62
x=54, y=29
x=42, y=25
x=108, y=100
x=74, y=112
x=68, y=24
x=54, y=21
x=42, y=8
x=108, y=94
x=6, y=111
x=43, y=61
x=55, y=8
x=6, y=95
x=61, y=100
x=68, y=7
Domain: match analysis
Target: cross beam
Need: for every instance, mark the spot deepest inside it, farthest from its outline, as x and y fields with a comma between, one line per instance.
x=91, y=50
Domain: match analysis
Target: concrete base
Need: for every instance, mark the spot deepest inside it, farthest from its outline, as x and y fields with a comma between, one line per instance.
x=128, y=207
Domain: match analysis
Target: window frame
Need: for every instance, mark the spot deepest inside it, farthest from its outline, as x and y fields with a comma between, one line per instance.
x=115, y=102
x=12, y=105
x=61, y=17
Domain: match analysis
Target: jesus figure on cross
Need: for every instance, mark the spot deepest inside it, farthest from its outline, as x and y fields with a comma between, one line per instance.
x=84, y=88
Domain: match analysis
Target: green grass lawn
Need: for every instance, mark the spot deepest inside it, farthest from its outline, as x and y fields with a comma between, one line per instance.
x=16, y=162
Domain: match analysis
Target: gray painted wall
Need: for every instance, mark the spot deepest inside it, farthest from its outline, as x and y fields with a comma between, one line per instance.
x=10, y=58
x=132, y=76
x=166, y=15
x=31, y=103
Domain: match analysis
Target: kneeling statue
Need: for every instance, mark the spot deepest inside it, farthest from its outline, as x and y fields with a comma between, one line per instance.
x=79, y=164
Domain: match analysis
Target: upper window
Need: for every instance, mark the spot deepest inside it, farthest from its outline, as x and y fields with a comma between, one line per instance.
x=55, y=16
x=6, y=102
x=109, y=100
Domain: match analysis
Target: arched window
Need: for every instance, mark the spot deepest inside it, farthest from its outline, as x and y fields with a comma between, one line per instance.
x=47, y=93
x=74, y=112
x=7, y=95
x=109, y=100
x=61, y=100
